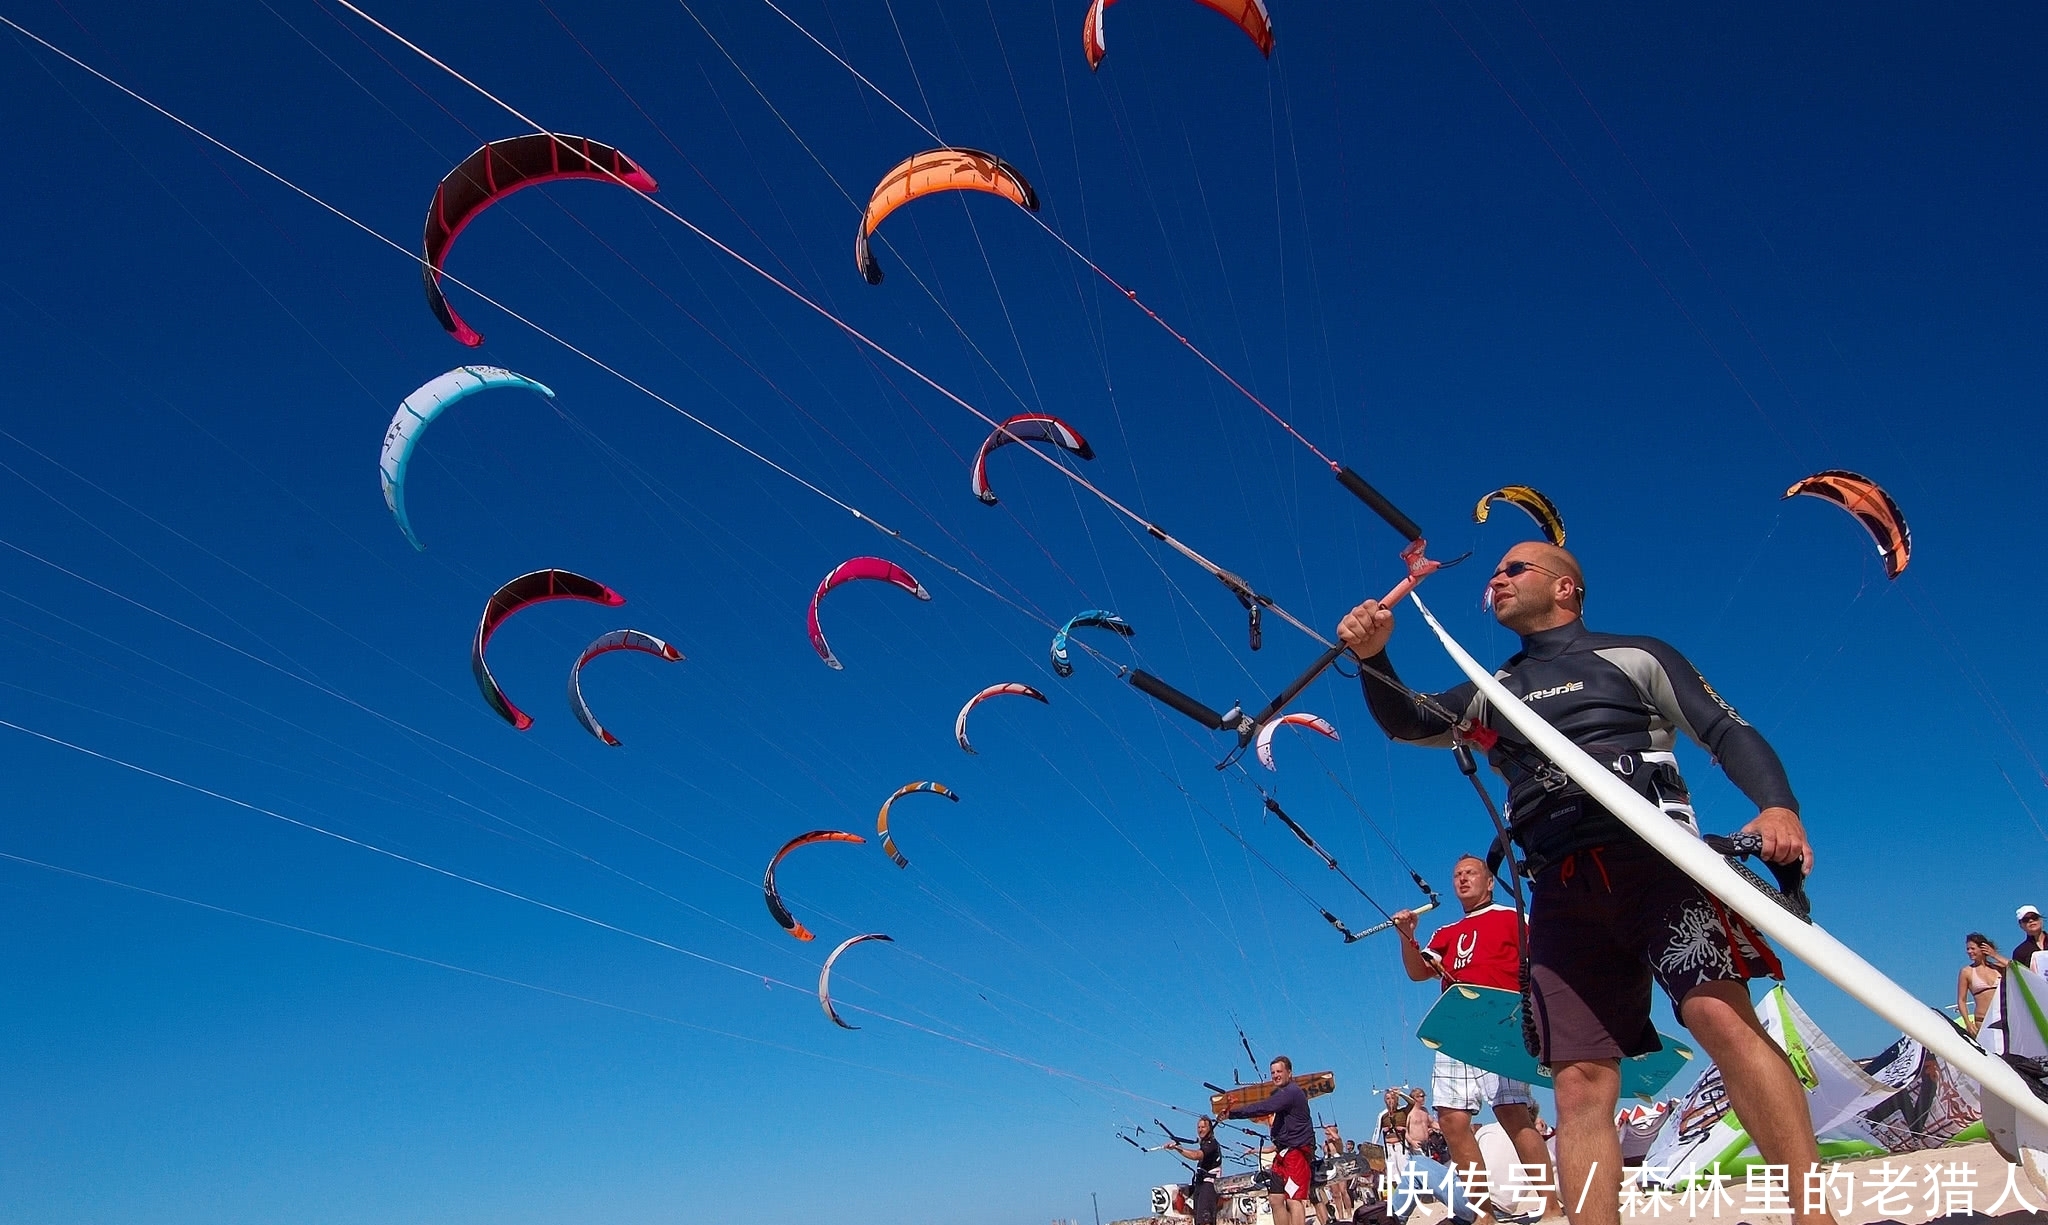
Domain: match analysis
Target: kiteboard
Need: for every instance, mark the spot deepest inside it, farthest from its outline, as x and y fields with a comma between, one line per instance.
x=1804, y=939
x=1314, y=1084
x=1482, y=1026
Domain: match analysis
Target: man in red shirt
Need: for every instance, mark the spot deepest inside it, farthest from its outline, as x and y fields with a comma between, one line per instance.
x=1482, y=948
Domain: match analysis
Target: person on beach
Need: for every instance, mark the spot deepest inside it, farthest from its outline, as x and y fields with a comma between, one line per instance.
x=2036, y=942
x=1336, y=1199
x=1393, y=1124
x=1482, y=948
x=1208, y=1158
x=1424, y=1138
x=1294, y=1139
x=1608, y=913
x=1977, y=985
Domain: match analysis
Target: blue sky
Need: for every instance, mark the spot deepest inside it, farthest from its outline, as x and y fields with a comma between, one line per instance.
x=1658, y=264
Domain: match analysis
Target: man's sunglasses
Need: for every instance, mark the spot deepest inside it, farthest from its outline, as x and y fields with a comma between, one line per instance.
x=1516, y=569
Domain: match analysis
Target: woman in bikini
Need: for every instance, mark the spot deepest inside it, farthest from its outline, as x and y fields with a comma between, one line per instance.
x=1978, y=981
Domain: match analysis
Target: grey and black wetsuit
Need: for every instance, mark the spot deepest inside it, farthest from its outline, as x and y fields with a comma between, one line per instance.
x=1620, y=697
x=1608, y=914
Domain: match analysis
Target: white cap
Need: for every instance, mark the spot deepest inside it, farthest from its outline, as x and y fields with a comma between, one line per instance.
x=2024, y=911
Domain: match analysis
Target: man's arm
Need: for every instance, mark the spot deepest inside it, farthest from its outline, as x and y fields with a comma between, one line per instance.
x=1413, y=958
x=1252, y=1110
x=1678, y=691
x=1683, y=696
x=1364, y=632
x=1402, y=717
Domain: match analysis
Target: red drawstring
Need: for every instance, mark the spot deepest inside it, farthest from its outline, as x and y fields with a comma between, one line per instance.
x=1568, y=867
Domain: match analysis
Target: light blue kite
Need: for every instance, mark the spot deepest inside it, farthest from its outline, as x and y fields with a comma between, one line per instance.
x=418, y=411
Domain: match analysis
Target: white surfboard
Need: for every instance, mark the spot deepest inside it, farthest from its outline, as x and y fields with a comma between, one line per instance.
x=1810, y=943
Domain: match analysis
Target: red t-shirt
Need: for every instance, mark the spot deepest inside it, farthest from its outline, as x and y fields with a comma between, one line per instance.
x=1480, y=948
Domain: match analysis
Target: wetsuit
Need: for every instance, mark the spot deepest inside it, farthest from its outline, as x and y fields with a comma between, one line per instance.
x=1293, y=1136
x=1605, y=904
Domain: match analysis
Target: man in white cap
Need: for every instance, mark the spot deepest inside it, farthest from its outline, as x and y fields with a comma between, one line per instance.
x=2036, y=942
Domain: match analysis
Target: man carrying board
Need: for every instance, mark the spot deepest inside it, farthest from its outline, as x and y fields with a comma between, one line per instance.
x=1609, y=914
x=1482, y=948
x=1294, y=1138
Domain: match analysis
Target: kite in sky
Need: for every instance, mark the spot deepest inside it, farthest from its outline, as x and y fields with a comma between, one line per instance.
x=617, y=640
x=1026, y=427
x=523, y=592
x=932, y=171
x=1873, y=508
x=1532, y=502
x=496, y=171
x=786, y=920
x=872, y=569
x=1007, y=689
x=1250, y=15
x=418, y=411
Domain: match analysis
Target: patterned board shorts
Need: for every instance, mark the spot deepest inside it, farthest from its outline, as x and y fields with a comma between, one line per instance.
x=1460, y=1086
x=1607, y=921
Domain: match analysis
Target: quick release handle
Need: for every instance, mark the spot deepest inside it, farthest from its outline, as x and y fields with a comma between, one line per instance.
x=1149, y=684
x=1365, y=493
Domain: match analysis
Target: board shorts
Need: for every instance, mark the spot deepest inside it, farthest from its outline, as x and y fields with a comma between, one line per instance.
x=1454, y=1085
x=1606, y=921
x=1204, y=1196
x=1292, y=1174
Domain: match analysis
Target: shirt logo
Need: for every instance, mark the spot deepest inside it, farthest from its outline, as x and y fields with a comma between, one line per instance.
x=1468, y=944
x=1573, y=687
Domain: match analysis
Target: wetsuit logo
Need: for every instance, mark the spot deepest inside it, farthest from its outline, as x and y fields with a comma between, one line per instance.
x=1571, y=687
x=1722, y=702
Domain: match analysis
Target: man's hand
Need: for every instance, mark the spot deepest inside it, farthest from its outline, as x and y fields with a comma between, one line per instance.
x=1364, y=630
x=1784, y=837
x=1404, y=922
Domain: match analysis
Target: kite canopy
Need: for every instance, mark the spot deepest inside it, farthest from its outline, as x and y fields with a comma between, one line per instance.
x=1873, y=508
x=1532, y=502
x=936, y=170
x=825, y=975
x=873, y=569
x=1026, y=427
x=1094, y=618
x=1250, y=15
x=1314, y=723
x=617, y=640
x=1007, y=689
x=528, y=589
x=775, y=907
x=882, y=818
x=418, y=411
x=496, y=171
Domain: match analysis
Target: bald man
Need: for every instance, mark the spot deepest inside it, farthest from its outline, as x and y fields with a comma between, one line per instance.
x=1608, y=914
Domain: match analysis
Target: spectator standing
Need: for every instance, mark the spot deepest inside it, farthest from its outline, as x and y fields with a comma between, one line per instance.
x=1977, y=985
x=2035, y=943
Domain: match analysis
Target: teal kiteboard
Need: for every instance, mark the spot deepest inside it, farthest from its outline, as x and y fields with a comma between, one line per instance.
x=1482, y=1026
